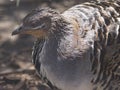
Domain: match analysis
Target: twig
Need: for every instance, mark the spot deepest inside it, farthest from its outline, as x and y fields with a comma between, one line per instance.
x=18, y=71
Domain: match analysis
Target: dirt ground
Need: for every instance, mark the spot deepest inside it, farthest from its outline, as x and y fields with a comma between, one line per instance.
x=16, y=70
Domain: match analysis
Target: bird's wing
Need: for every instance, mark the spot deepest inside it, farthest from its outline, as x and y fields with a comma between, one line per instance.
x=37, y=48
x=107, y=47
x=106, y=25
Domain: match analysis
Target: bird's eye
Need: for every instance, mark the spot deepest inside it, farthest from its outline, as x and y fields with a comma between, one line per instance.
x=34, y=24
x=37, y=23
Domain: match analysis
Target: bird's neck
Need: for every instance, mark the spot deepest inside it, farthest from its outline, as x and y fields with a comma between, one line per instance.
x=55, y=43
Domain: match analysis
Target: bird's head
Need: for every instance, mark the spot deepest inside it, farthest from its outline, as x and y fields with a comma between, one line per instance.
x=37, y=23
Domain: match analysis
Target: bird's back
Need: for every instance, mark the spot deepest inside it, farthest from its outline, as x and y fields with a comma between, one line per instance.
x=102, y=20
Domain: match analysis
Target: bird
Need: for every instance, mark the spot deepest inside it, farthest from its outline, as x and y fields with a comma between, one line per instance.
x=78, y=49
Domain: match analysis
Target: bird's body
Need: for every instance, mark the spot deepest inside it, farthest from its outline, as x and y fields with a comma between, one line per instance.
x=81, y=51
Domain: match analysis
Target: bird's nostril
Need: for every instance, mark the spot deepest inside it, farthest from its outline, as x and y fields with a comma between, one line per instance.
x=15, y=32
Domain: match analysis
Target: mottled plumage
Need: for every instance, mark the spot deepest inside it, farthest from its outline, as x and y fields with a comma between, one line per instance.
x=78, y=49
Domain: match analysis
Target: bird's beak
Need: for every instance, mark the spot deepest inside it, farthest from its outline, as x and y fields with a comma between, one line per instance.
x=18, y=30
x=23, y=30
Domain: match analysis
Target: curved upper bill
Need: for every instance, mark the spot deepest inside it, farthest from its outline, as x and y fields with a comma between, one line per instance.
x=18, y=30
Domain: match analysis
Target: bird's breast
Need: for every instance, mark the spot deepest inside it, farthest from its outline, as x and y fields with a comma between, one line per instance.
x=68, y=70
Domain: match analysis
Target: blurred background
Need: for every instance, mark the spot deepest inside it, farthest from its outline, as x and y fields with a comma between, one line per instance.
x=16, y=69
